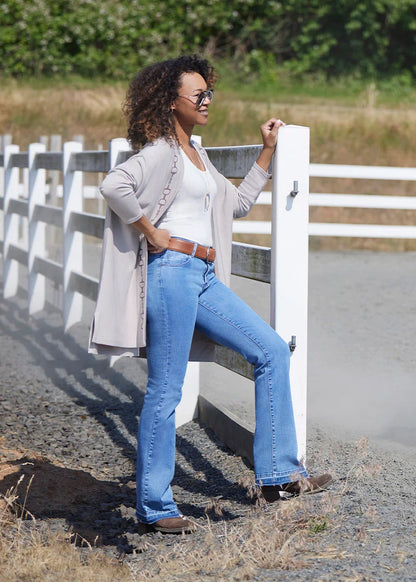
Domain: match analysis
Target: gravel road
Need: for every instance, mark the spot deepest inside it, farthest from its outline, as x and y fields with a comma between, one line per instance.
x=75, y=419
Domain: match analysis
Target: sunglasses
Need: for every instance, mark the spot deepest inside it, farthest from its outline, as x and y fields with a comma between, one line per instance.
x=200, y=98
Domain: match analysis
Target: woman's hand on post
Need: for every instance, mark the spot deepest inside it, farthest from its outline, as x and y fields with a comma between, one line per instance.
x=269, y=131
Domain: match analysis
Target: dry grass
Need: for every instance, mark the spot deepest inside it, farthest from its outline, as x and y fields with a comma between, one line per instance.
x=283, y=539
x=292, y=534
x=27, y=112
x=32, y=552
x=361, y=134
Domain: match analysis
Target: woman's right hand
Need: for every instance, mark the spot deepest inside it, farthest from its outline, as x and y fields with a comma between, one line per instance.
x=158, y=240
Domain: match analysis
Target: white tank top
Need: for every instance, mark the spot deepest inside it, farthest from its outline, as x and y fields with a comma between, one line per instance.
x=189, y=215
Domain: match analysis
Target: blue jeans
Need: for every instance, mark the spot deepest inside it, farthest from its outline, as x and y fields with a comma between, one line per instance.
x=183, y=293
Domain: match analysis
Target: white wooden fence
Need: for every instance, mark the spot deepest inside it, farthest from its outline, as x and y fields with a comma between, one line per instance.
x=348, y=201
x=289, y=290
x=288, y=256
x=233, y=162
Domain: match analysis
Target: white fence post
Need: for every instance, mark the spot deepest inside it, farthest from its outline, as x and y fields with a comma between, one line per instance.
x=72, y=240
x=11, y=223
x=289, y=281
x=55, y=146
x=117, y=146
x=187, y=408
x=5, y=140
x=36, y=247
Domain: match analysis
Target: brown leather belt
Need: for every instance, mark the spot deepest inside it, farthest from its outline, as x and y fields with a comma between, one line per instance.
x=187, y=247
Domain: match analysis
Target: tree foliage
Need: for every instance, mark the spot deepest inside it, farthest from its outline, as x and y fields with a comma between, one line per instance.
x=108, y=38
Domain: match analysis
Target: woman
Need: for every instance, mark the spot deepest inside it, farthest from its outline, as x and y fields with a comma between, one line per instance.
x=163, y=285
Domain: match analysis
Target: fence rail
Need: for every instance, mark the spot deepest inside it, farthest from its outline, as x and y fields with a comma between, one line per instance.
x=348, y=201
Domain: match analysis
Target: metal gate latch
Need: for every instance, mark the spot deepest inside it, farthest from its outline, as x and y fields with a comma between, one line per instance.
x=295, y=190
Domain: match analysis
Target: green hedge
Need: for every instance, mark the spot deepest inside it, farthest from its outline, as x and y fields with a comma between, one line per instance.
x=107, y=38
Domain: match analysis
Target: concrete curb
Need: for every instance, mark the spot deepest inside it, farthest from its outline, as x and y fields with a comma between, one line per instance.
x=230, y=430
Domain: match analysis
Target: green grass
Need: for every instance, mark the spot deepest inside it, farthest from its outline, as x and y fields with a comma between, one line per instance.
x=348, y=92
x=273, y=83
x=317, y=524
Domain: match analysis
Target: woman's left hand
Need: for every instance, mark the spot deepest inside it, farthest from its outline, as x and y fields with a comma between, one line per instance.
x=269, y=131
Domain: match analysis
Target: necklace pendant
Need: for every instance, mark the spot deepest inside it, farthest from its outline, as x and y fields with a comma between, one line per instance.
x=207, y=201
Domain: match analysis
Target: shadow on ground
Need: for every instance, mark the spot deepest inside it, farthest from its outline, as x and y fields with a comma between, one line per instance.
x=80, y=386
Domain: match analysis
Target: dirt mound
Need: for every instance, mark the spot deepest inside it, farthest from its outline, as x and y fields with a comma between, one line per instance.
x=34, y=486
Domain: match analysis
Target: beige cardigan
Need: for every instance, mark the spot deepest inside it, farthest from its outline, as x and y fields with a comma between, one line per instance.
x=146, y=184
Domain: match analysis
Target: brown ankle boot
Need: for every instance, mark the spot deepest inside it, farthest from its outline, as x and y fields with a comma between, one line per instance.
x=308, y=485
x=304, y=486
x=174, y=525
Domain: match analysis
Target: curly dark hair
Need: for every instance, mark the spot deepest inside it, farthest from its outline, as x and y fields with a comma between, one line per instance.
x=151, y=94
